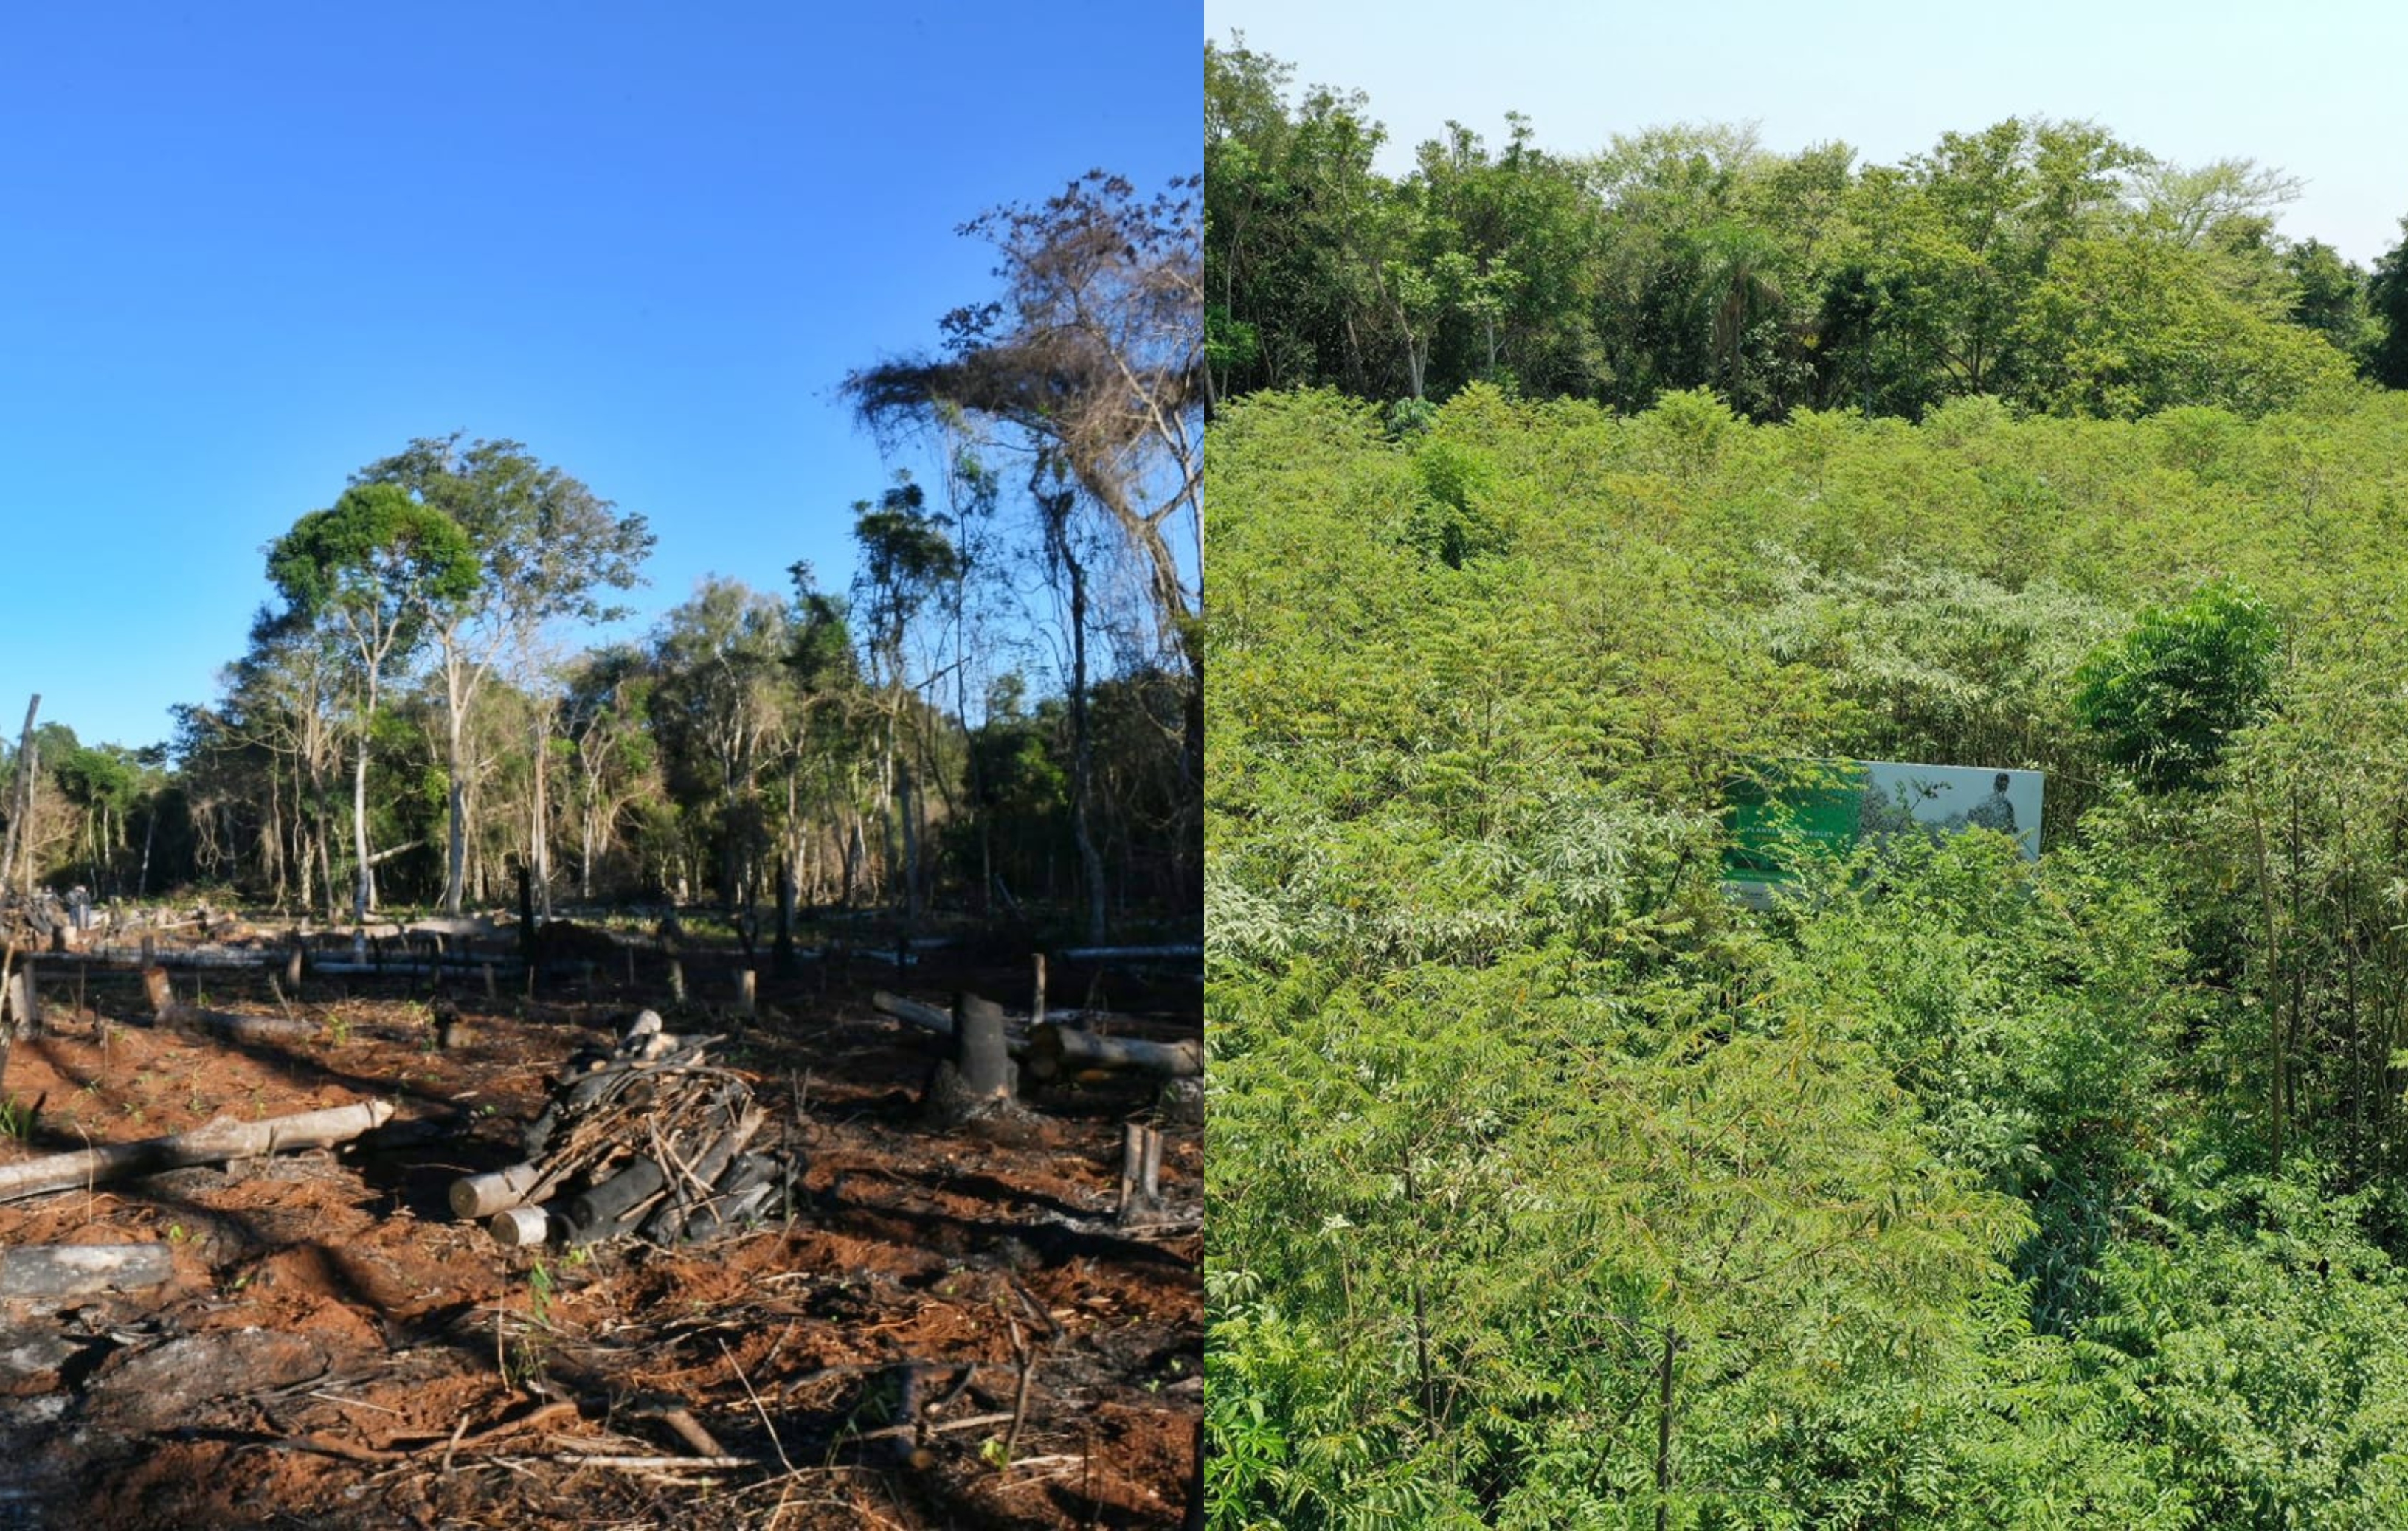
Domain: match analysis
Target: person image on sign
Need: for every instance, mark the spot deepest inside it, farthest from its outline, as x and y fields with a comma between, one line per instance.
x=1994, y=811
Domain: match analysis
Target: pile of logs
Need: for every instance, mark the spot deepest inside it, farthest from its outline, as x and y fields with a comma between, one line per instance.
x=649, y=1139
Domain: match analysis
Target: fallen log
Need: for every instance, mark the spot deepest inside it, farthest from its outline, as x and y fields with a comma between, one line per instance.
x=1057, y=1050
x=926, y=1017
x=1128, y=953
x=172, y=1013
x=212, y=1142
x=936, y=1018
x=477, y=1197
x=595, y=1214
x=76, y=1271
x=245, y=1029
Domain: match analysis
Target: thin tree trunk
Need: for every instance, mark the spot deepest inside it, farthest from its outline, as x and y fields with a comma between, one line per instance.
x=363, y=892
x=455, y=846
x=1083, y=752
x=1664, y=1429
x=20, y=804
x=543, y=827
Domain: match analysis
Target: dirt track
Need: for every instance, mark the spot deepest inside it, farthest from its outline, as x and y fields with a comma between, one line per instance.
x=335, y=1351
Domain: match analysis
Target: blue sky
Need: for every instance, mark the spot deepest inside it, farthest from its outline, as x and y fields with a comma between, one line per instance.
x=252, y=248
x=2315, y=91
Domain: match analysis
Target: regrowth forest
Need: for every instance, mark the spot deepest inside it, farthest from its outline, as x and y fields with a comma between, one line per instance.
x=997, y=714
x=1549, y=1184
x=2045, y=264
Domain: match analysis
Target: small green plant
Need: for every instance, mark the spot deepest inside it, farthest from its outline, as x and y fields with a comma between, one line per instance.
x=175, y=1234
x=539, y=1290
x=339, y=1029
x=16, y=1119
x=992, y=1453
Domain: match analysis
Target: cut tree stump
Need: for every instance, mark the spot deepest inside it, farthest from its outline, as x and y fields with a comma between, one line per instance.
x=980, y=1077
x=212, y=1142
x=1140, y=1175
x=76, y=1271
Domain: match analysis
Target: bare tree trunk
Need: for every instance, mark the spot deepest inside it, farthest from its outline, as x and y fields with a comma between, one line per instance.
x=21, y=804
x=455, y=846
x=541, y=852
x=905, y=794
x=363, y=890
x=1082, y=751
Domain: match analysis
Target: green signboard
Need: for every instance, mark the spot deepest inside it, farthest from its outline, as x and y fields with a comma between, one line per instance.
x=1838, y=805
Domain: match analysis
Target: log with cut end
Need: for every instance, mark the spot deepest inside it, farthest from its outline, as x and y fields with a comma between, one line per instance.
x=517, y=1227
x=212, y=1142
x=480, y=1197
x=77, y=1270
x=1054, y=1051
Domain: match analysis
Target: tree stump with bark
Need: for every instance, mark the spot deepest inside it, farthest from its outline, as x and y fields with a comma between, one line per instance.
x=979, y=1079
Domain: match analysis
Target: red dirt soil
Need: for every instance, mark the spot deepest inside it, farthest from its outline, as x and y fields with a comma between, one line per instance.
x=335, y=1351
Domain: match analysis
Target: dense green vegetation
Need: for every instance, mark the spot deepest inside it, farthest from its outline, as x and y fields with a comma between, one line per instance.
x=1549, y=1186
x=2048, y=264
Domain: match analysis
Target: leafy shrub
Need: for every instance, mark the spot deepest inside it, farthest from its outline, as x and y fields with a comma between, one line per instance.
x=2162, y=699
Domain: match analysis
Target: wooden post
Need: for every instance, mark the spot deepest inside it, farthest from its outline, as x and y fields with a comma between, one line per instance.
x=1037, y=1005
x=677, y=981
x=492, y=994
x=293, y=961
x=746, y=980
x=1140, y=1174
x=149, y=949
x=25, y=999
x=631, y=966
x=157, y=990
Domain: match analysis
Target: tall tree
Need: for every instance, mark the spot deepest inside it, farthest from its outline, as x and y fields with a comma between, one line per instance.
x=1095, y=353
x=548, y=546
x=2386, y=294
x=908, y=560
x=376, y=568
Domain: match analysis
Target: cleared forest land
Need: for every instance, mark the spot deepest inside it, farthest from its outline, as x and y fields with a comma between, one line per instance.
x=928, y=1326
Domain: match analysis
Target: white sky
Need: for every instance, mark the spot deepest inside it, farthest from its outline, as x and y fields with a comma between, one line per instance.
x=2320, y=92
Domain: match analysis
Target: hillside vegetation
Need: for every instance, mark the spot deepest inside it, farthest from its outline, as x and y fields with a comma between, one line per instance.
x=1549, y=1186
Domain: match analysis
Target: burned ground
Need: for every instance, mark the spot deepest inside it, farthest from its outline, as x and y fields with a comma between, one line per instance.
x=942, y=1328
